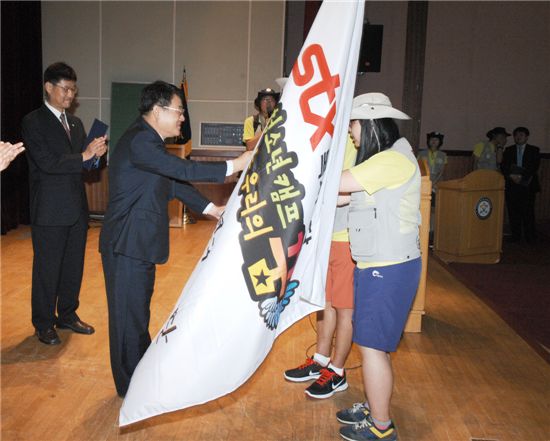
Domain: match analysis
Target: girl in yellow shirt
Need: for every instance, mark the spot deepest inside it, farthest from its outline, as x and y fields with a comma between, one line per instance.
x=383, y=191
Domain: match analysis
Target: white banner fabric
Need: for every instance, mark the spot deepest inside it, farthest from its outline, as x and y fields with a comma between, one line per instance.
x=265, y=265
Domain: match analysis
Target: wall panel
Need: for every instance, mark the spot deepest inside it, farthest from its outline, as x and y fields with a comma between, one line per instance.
x=230, y=50
x=487, y=65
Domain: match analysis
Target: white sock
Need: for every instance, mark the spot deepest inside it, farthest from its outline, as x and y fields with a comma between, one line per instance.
x=339, y=371
x=382, y=425
x=321, y=359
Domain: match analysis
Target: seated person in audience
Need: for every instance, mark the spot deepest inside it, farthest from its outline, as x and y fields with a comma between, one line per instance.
x=8, y=152
x=520, y=163
x=435, y=158
x=488, y=155
x=254, y=125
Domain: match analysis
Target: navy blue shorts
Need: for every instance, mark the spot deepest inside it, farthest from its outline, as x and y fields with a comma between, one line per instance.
x=383, y=297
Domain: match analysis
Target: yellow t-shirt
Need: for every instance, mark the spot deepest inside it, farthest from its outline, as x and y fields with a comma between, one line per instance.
x=478, y=148
x=387, y=169
x=349, y=161
x=248, y=129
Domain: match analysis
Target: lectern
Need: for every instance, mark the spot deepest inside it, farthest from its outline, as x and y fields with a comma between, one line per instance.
x=469, y=216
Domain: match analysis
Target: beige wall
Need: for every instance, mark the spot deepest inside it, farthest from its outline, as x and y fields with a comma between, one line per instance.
x=487, y=65
x=230, y=50
x=393, y=16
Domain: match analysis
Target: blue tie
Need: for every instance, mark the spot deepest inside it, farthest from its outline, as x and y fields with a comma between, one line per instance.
x=520, y=156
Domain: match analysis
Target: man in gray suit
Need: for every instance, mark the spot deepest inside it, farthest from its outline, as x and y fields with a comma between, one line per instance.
x=143, y=177
x=54, y=140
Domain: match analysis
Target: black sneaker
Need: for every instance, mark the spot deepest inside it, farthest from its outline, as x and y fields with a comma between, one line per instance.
x=353, y=415
x=327, y=384
x=310, y=370
x=367, y=431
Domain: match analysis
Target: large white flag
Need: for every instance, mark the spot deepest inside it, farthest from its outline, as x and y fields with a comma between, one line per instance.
x=265, y=265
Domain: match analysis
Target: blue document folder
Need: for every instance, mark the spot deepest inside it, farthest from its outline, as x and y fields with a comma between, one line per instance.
x=99, y=128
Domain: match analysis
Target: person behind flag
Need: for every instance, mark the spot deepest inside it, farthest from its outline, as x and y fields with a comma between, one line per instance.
x=56, y=151
x=335, y=319
x=435, y=158
x=488, y=155
x=384, y=219
x=254, y=125
x=143, y=177
x=436, y=161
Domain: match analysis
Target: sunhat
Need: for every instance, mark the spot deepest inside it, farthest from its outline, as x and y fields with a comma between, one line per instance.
x=266, y=92
x=497, y=131
x=375, y=105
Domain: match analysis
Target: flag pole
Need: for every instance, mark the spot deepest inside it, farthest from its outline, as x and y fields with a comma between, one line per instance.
x=188, y=219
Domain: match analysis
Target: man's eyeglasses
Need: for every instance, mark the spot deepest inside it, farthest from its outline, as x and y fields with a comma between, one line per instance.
x=180, y=112
x=66, y=89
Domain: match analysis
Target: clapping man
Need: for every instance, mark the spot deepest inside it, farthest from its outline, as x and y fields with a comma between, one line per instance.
x=59, y=210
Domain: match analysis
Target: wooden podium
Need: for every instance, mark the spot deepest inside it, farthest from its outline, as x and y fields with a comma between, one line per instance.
x=469, y=216
x=414, y=322
x=175, y=207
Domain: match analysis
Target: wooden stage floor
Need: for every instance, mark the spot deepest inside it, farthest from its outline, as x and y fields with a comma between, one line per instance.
x=466, y=376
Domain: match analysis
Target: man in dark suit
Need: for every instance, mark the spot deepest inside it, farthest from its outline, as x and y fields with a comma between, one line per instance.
x=520, y=164
x=54, y=140
x=143, y=177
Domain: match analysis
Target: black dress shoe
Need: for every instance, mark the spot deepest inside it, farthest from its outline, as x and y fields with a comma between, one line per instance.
x=77, y=326
x=48, y=336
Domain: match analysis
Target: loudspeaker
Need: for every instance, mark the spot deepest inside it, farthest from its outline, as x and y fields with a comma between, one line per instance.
x=370, y=55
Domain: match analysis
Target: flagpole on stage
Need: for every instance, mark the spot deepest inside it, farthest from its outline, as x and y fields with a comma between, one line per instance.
x=186, y=140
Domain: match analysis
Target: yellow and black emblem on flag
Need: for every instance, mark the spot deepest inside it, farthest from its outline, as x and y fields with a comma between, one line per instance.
x=271, y=217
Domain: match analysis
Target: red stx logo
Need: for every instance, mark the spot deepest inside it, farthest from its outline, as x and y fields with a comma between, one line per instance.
x=328, y=85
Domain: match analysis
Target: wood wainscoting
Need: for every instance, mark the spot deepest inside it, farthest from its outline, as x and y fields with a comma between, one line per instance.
x=459, y=164
x=97, y=181
x=218, y=193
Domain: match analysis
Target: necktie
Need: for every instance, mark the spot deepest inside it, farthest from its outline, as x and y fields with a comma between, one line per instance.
x=64, y=123
x=520, y=155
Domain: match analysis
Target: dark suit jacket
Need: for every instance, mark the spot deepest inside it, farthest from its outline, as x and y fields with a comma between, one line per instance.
x=143, y=178
x=530, y=164
x=57, y=195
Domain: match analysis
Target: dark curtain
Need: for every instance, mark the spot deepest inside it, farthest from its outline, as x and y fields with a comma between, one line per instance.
x=310, y=12
x=21, y=93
